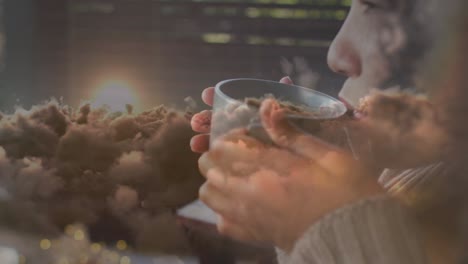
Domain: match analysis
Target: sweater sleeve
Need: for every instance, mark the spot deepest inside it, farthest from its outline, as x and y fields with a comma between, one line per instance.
x=375, y=230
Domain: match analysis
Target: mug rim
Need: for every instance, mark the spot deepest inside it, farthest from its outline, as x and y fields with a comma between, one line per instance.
x=218, y=91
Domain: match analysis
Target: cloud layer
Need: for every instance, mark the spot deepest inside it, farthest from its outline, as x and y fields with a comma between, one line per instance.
x=60, y=166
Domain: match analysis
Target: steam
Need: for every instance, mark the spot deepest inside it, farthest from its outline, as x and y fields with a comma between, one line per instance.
x=126, y=171
x=302, y=73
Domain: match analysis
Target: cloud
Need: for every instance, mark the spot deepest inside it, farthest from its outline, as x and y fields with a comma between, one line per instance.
x=124, y=200
x=60, y=166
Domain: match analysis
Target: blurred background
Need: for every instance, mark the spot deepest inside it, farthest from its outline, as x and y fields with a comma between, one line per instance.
x=144, y=53
x=162, y=50
x=88, y=184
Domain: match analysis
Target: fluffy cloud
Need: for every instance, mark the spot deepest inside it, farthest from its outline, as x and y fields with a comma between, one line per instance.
x=60, y=166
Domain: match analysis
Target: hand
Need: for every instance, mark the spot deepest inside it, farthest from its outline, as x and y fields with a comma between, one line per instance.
x=405, y=131
x=201, y=122
x=273, y=194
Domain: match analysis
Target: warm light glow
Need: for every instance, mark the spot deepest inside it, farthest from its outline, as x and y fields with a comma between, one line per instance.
x=121, y=245
x=95, y=248
x=79, y=235
x=125, y=260
x=69, y=230
x=45, y=244
x=115, y=95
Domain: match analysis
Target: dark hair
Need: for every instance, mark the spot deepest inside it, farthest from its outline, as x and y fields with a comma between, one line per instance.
x=454, y=98
x=434, y=60
x=446, y=78
x=416, y=20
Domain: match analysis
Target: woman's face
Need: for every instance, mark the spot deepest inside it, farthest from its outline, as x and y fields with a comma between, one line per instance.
x=361, y=49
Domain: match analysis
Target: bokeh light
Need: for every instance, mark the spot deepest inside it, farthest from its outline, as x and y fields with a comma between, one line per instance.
x=96, y=248
x=45, y=244
x=125, y=260
x=121, y=245
x=79, y=235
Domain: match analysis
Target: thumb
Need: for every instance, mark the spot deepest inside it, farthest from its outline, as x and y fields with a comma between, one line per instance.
x=285, y=135
x=273, y=120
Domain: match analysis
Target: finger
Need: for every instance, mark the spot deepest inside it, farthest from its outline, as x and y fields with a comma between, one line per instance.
x=208, y=96
x=215, y=199
x=231, y=229
x=200, y=143
x=201, y=122
x=238, y=135
x=227, y=152
x=229, y=185
x=205, y=163
x=237, y=152
x=285, y=135
x=286, y=80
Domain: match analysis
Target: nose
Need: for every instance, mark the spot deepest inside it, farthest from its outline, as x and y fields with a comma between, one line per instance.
x=343, y=56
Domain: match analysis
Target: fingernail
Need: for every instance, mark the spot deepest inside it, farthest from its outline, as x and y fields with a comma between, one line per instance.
x=194, y=146
x=203, y=94
x=192, y=143
x=286, y=80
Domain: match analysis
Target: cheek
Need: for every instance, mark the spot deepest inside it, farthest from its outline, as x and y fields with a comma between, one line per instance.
x=373, y=52
x=377, y=36
x=377, y=69
x=375, y=63
x=392, y=39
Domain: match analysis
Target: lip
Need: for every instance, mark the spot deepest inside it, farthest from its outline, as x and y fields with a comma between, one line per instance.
x=356, y=114
x=348, y=105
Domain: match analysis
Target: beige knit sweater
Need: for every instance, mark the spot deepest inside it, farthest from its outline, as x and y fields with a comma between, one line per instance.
x=375, y=230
